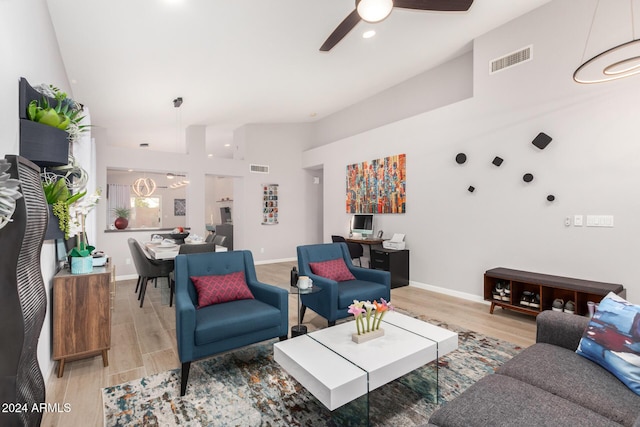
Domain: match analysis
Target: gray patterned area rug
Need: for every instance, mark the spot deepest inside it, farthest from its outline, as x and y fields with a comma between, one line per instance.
x=248, y=388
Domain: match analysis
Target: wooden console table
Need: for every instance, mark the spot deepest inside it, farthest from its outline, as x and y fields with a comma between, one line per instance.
x=548, y=287
x=82, y=305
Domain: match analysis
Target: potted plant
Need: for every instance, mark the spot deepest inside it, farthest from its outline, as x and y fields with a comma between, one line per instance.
x=81, y=259
x=63, y=114
x=122, y=217
x=59, y=197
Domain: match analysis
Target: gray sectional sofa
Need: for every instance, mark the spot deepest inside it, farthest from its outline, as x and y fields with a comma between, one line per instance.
x=547, y=384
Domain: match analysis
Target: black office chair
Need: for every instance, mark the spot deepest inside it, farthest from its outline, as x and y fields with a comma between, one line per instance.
x=147, y=268
x=355, y=249
x=189, y=249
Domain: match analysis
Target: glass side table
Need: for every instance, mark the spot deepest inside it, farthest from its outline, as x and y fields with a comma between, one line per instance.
x=300, y=329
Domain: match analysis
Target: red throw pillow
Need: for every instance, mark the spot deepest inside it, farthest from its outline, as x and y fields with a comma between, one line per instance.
x=334, y=269
x=223, y=288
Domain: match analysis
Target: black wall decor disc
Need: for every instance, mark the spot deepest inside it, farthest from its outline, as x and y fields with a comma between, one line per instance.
x=551, y=198
x=542, y=140
x=497, y=161
x=461, y=158
x=471, y=189
x=527, y=177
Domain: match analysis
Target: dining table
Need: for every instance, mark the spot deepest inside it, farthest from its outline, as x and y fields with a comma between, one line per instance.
x=165, y=251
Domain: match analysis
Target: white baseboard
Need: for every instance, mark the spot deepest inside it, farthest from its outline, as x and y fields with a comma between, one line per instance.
x=127, y=277
x=456, y=294
x=273, y=261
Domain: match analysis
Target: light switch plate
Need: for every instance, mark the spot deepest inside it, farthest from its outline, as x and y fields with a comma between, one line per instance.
x=577, y=220
x=599, y=220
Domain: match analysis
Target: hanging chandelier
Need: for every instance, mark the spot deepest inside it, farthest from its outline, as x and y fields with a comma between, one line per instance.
x=612, y=64
x=144, y=187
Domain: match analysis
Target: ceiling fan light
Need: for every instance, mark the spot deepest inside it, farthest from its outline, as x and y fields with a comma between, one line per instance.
x=374, y=10
x=368, y=34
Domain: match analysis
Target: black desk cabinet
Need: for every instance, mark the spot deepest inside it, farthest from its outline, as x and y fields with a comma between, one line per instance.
x=395, y=262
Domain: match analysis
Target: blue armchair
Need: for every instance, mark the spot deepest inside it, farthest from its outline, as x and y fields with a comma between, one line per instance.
x=206, y=331
x=333, y=301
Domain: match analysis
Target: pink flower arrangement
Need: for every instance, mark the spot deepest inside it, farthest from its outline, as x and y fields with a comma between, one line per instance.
x=372, y=312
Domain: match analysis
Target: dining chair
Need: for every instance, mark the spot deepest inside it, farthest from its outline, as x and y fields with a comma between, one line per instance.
x=209, y=237
x=147, y=268
x=188, y=249
x=219, y=240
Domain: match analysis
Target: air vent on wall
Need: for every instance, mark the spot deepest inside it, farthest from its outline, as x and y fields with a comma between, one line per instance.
x=259, y=168
x=511, y=59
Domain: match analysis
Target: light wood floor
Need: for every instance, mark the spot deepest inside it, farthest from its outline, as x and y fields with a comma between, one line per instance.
x=143, y=340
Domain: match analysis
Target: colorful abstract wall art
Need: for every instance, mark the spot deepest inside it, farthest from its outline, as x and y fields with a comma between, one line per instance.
x=377, y=186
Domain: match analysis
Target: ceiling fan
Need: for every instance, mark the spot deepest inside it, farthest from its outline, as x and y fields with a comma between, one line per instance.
x=377, y=10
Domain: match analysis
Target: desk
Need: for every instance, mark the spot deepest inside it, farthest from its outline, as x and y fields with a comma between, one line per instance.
x=368, y=242
x=395, y=262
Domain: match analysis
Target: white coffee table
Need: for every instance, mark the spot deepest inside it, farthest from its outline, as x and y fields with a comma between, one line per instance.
x=336, y=370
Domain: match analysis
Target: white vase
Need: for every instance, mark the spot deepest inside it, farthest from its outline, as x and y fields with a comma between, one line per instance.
x=367, y=336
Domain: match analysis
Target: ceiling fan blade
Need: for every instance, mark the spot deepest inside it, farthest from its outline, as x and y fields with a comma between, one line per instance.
x=437, y=5
x=342, y=30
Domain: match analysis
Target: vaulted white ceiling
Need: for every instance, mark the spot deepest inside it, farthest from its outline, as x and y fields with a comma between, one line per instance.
x=244, y=61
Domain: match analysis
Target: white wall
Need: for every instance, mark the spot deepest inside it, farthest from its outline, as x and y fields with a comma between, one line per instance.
x=29, y=49
x=590, y=166
x=451, y=82
x=279, y=147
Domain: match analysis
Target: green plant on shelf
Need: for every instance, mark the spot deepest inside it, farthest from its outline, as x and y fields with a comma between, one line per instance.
x=57, y=194
x=64, y=115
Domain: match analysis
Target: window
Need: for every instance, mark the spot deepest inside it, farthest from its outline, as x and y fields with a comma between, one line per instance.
x=146, y=212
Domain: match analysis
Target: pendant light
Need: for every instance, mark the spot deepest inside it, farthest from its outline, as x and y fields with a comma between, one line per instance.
x=612, y=64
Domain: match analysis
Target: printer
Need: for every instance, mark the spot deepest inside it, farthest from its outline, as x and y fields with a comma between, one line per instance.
x=397, y=242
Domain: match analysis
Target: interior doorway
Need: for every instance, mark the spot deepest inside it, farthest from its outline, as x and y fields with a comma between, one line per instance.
x=314, y=206
x=219, y=199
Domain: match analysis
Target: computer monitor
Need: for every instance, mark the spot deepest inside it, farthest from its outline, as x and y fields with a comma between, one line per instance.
x=362, y=224
x=225, y=215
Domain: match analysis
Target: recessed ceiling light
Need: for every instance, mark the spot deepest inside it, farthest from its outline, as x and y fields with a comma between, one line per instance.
x=368, y=34
x=209, y=155
x=227, y=145
x=313, y=114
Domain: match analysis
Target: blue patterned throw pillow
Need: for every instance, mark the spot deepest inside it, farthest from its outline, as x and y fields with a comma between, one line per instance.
x=612, y=340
